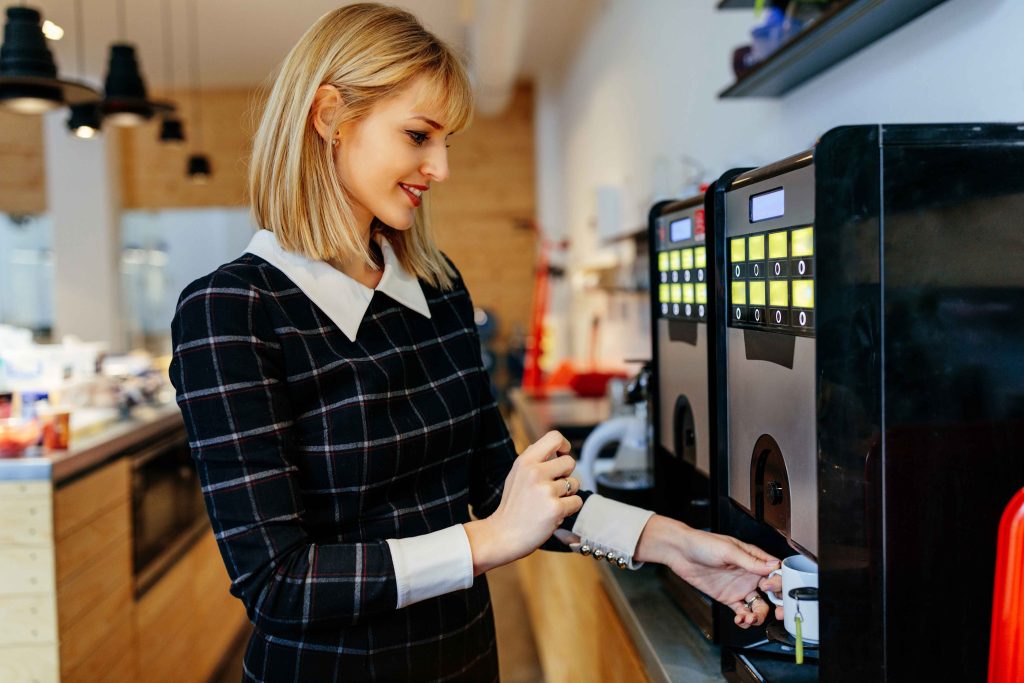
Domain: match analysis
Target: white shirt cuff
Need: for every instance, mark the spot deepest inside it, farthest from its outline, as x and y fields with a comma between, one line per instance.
x=432, y=564
x=610, y=530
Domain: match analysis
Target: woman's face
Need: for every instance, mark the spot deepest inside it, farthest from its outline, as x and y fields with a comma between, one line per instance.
x=389, y=158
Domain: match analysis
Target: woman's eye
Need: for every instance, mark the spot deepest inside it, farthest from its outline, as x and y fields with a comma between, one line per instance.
x=417, y=137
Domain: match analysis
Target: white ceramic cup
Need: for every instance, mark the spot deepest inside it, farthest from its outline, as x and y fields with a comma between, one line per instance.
x=797, y=572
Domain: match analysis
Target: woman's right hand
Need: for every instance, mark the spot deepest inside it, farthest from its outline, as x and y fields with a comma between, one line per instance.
x=533, y=504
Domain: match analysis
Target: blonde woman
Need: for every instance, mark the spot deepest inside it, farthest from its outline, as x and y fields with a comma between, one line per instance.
x=337, y=409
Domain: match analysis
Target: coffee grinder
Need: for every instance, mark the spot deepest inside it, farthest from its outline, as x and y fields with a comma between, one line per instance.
x=868, y=390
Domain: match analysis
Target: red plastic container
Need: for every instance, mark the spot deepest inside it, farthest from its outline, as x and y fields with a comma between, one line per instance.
x=1006, y=647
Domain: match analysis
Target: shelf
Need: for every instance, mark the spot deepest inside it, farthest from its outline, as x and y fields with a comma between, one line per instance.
x=843, y=29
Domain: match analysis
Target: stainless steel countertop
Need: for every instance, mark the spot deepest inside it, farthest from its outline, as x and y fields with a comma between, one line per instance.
x=85, y=453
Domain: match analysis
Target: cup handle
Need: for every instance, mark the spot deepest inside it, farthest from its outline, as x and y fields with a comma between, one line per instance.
x=771, y=596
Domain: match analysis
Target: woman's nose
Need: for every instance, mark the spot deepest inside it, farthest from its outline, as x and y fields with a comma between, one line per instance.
x=436, y=164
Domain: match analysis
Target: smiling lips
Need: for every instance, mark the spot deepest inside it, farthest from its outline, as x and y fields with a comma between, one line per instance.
x=414, y=192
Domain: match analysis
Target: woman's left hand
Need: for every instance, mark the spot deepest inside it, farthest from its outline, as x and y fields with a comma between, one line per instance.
x=724, y=568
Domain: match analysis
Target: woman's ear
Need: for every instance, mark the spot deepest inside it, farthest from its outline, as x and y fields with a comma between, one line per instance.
x=325, y=110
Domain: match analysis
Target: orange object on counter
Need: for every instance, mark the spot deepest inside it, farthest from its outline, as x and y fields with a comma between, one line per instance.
x=57, y=430
x=1006, y=647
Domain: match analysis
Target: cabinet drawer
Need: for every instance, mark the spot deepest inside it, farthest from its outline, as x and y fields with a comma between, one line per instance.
x=27, y=619
x=90, y=542
x=25, y=519
x=109, y=572
x=29, y=664
x=14, y=489
x=75, y=504
x=26, y=569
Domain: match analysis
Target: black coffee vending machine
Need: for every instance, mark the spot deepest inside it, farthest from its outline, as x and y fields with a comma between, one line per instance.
x=679, y=317
x=868, y=390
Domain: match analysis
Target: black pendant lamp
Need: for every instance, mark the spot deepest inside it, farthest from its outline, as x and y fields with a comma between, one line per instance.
x=85, y=120
x=199, y=169
x=28, y=74
x=172, y=132
x=124, y=94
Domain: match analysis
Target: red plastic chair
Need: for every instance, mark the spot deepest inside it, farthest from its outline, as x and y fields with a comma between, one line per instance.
x=1006, y=648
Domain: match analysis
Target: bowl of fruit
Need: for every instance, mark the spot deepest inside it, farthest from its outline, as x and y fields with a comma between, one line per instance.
x=17, y=434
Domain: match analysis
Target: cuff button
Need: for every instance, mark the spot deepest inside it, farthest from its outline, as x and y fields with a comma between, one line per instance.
x=598, y=554
x=585, y=549
x=612, y=559
x=622, y=563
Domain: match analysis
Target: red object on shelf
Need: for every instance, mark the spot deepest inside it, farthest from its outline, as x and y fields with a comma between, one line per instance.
x=1006, y=647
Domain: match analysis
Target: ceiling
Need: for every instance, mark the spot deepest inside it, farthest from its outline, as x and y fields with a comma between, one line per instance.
x=241, y=42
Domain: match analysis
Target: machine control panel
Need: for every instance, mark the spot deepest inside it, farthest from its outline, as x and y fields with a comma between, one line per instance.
x=682, y=266
x=771, y=280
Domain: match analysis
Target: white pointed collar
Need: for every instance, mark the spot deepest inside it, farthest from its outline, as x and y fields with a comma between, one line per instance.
x=343, y=299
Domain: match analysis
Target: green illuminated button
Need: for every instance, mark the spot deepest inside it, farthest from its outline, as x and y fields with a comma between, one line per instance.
x=688, y=297
x=803, y=242
x=687, y=258
x=777, y=245
x=677, y=294
x=803, y=293
x=739, y=293
x=674, y=260
x=700, y=257
x=664, y=294
x=663, y=261
x=702, y=292
x=755, y=248
x=757, y=293
x=778, y=292
x=738, y=250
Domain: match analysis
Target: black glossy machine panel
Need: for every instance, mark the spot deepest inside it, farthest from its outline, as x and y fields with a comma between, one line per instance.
x=914, y=311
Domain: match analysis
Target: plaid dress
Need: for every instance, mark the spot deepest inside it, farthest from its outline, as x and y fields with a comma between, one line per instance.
x=313, y=449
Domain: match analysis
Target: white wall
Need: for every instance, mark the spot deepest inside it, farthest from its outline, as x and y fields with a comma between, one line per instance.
x=641, y=92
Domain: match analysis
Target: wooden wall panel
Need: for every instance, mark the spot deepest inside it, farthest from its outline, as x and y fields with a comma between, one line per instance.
x=481, y=214
x=22, y=170
x=153, y=174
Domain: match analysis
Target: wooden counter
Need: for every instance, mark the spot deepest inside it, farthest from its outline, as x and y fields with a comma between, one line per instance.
x=68, y=609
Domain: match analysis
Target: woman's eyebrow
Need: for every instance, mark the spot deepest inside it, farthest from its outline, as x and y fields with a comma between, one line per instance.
x=430, y=122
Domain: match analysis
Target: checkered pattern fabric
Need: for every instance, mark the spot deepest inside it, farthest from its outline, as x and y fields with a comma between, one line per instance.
x=313, y=450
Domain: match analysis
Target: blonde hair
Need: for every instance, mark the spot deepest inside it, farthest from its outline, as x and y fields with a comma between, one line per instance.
x=369, y=52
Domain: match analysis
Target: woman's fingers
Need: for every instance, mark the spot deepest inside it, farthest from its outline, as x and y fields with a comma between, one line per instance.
x=546, y=446
x=751, y=612
x=570, y=505
x=567, y=486
x=558, y=468
x=749, y=557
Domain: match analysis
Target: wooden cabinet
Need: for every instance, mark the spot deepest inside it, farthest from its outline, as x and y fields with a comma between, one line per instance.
x=68, y=610
x=28, y=622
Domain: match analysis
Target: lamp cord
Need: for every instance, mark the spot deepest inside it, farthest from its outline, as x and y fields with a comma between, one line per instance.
x=194, y=64
x=80, y=40
x=168, y=46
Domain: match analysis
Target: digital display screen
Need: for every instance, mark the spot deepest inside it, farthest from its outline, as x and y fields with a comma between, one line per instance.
x=687, y=258
x=700, y=257
x=803, y=242
x=680, y=230
x=738, y=250
x=771, y=204
x=702, y=292
x=755, y=248
x=778, y=246
x=803, y=293
x=757, y=293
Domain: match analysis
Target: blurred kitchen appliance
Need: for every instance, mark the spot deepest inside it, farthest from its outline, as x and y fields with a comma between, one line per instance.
x=868, y=389
x=167, y=506
x=679, y=397
x=626, y=476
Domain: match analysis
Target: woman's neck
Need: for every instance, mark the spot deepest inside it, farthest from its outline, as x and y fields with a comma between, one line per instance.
x=358, y=269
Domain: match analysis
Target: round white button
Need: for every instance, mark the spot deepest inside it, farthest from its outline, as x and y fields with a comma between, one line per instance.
x=803, y=318
x=675, y=309
x=778, y=268
x=675, y=276
x=686, y=276
x=739, y=314
x=664, y=277
x=802, y=267
x=700, y=310
x=778, y=316
x=737, y=271
x=757, y=315
x=700, y=275
x=757, y=269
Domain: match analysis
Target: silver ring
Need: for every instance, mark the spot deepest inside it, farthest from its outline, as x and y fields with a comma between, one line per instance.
x=568, y=486
x=750, y=603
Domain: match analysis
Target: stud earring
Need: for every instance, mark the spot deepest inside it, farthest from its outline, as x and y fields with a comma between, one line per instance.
x=334, y=142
